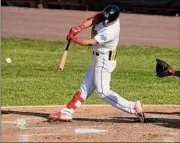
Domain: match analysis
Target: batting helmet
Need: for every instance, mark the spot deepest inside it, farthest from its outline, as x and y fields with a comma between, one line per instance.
x=110, y=13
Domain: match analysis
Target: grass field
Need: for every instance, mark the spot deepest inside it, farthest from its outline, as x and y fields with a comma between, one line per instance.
x=33, y=79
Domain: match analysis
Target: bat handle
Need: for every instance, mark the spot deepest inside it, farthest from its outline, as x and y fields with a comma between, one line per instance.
x=67, y=46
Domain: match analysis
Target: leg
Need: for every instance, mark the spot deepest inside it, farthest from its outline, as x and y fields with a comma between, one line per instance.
x=102, y=83
x=86, y=88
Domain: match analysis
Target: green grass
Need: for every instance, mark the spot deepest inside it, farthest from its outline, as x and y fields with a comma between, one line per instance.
x=32, y=77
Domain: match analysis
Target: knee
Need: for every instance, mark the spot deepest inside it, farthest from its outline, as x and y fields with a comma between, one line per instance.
x=102, y=89
x=102, y=92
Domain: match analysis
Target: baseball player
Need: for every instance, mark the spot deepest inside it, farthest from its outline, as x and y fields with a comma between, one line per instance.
x=104, y=40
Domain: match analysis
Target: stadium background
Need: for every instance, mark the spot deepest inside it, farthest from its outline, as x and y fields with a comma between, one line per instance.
x=165, y=7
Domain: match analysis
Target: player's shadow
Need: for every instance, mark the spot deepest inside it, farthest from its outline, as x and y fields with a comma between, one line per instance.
x=164, y=113
x=43, y=115
x=165, y=122
x=159, y=121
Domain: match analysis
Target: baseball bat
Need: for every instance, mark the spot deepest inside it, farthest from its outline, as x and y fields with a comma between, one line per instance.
x=64, y=57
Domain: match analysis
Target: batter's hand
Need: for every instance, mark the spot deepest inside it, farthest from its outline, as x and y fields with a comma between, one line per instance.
x=75, y=30
x=71, y=38
x=74, y=39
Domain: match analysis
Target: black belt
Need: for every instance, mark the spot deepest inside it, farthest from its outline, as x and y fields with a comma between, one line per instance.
x=111, y=57
x=95, y=53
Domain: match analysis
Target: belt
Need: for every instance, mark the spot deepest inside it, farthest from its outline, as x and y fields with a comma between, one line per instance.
x=95, y=53
x=112, y=54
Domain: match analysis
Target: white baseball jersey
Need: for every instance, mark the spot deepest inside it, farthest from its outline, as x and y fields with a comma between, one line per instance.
x=107, y=37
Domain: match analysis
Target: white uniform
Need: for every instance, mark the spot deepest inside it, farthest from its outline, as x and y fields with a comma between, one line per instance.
x=99, y=74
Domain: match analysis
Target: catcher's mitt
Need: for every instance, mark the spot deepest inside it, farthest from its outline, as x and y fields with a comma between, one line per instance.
x=164, y=69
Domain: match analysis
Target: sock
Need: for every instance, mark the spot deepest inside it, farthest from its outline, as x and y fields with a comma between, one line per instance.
x=75, y=102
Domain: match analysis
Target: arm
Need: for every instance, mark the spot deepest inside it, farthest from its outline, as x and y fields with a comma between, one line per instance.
x=81, y=41
x=75, y=30
x=87, y=23
x=86, y=42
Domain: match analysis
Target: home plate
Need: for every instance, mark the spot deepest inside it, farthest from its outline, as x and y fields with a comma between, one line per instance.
x=85, y=131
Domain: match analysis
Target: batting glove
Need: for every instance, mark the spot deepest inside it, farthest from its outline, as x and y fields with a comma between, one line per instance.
x=74, y=39
x=75, y=30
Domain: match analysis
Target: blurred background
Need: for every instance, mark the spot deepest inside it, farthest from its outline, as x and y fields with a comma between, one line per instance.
x=162, y=7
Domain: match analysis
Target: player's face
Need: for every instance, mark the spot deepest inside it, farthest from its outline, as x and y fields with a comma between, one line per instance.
x=105, y=23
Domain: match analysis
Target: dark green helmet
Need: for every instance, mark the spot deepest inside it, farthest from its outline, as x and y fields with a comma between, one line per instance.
x=110, y=13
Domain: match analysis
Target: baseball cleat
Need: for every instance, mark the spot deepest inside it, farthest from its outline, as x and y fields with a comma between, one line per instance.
x=139, y=111
x=60, y=117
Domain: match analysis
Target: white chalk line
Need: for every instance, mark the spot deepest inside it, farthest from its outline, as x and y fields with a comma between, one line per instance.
x=88, y=130
x=38, y=128
x=32, y=135
x=15, y=121
x=25, y=137
x=88, y=105
x=9, y=122
x=35, y=118
x=22, y=124
x=19, y=122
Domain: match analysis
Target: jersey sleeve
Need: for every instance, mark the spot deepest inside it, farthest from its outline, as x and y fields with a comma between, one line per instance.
x=103, y=36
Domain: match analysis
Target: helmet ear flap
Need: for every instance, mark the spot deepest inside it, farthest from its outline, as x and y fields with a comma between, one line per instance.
x=105, y=22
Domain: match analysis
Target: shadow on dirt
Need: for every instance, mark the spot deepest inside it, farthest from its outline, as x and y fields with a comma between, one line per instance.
x=43, y=115
x=159, y=121
x=164, y=122
x=164, y=113
x=111, y=120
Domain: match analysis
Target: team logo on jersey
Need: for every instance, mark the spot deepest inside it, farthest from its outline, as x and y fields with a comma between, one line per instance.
x=103, y=37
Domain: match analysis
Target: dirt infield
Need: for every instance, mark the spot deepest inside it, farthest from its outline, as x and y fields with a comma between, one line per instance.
x=95, y=123
x=91, y=123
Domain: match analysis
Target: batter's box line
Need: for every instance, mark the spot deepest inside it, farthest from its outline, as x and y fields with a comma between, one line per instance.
x=25, y=138
x=22, y=124
x=15, y=121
